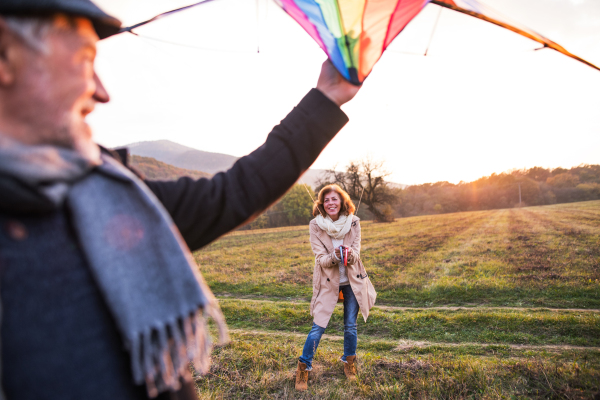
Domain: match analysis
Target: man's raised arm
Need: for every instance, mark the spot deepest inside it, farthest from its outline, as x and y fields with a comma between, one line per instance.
x=205, y=209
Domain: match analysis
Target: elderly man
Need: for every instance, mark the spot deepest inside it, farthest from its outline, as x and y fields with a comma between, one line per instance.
x=100, y=296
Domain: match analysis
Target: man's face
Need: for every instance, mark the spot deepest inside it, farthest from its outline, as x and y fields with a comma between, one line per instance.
x=57, y=88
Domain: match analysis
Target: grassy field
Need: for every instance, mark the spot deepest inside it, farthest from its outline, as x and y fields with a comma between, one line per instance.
x=490, y=304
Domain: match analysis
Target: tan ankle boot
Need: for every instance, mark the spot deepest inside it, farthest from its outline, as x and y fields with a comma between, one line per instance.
x=350, y=368
x=301, y=377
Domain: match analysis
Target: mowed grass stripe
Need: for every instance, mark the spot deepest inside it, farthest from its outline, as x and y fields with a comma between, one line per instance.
x=554, y=251
x=258, y=365
x=447, y=274
x=587, y=216
x=503, y=262
x=566, y=223
x=532, y=327
x=412, y=261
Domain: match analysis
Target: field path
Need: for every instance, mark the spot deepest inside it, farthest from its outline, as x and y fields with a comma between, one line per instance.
x=399, y=308
x=404, y=345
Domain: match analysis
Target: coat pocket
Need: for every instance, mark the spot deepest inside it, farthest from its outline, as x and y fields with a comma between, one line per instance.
x=362, y=271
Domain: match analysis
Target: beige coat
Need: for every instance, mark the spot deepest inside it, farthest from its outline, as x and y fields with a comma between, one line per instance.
x=326, y=275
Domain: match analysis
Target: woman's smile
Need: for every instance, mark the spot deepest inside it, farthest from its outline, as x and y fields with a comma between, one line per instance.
x=332, y=204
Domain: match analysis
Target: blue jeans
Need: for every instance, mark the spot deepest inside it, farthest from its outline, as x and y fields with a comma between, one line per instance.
x=350, y=337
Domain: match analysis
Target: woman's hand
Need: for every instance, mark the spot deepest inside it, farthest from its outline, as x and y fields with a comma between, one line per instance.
x=351, y=258
x=337, y=251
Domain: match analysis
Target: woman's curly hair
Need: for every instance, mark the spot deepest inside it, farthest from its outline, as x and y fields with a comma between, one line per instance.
x=347, y=206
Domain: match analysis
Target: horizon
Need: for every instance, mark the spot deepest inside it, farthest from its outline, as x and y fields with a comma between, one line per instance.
x=508, y=172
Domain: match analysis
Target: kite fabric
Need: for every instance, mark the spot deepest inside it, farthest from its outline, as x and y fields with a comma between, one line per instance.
x=355, y=33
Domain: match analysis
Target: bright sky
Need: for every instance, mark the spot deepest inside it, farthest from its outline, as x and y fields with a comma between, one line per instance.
x=482, y=101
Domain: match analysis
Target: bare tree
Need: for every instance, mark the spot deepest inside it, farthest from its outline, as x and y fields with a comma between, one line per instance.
x=365, y=178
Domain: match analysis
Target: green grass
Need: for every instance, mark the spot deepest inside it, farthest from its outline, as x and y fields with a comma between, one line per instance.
x=501, y=304
x=540, y=256
x=534, y=327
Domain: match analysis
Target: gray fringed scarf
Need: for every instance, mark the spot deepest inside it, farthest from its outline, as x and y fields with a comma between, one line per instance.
x=141, y=264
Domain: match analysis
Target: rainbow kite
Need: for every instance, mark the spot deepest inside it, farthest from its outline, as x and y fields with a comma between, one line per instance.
x=355, y=33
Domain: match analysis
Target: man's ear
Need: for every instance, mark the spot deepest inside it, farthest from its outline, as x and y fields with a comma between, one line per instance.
x=7, y=48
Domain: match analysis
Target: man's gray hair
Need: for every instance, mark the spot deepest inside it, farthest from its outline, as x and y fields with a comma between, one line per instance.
x=32, y=30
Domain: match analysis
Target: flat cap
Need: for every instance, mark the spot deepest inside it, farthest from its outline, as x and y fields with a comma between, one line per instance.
x=104, y=24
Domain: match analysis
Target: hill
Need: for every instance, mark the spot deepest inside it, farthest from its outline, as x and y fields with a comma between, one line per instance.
x=183, y=156
x=482, y=305
x=157, y=170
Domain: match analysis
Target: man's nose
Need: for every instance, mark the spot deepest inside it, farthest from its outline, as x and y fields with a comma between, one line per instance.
x=100, y=95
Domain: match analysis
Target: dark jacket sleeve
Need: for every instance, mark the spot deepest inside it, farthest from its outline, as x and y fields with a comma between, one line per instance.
x=205, y=209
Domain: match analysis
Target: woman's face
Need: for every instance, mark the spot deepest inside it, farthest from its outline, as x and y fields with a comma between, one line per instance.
x=332, y=204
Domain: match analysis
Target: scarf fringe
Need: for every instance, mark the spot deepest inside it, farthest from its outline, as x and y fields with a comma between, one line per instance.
x=160, y=357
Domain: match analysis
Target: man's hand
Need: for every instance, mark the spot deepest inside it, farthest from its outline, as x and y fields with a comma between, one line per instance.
x=334, y=86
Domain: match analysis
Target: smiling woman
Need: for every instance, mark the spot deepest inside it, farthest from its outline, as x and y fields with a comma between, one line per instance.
x=335, y=241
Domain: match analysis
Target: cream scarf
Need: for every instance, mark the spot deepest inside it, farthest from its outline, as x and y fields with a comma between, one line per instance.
x=335, y=229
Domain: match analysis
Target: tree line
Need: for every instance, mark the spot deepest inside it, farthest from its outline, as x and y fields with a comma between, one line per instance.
x=538, y=186
x=382, y=201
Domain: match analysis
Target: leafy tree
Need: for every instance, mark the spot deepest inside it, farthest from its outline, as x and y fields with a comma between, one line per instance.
x=565, y=180
x=260, y=222
x=297, y=205
x=558, y=171
x=294, y=208
x=538, y=174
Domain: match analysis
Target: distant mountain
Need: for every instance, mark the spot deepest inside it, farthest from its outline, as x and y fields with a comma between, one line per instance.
x=158, y=170
x=182, y=156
